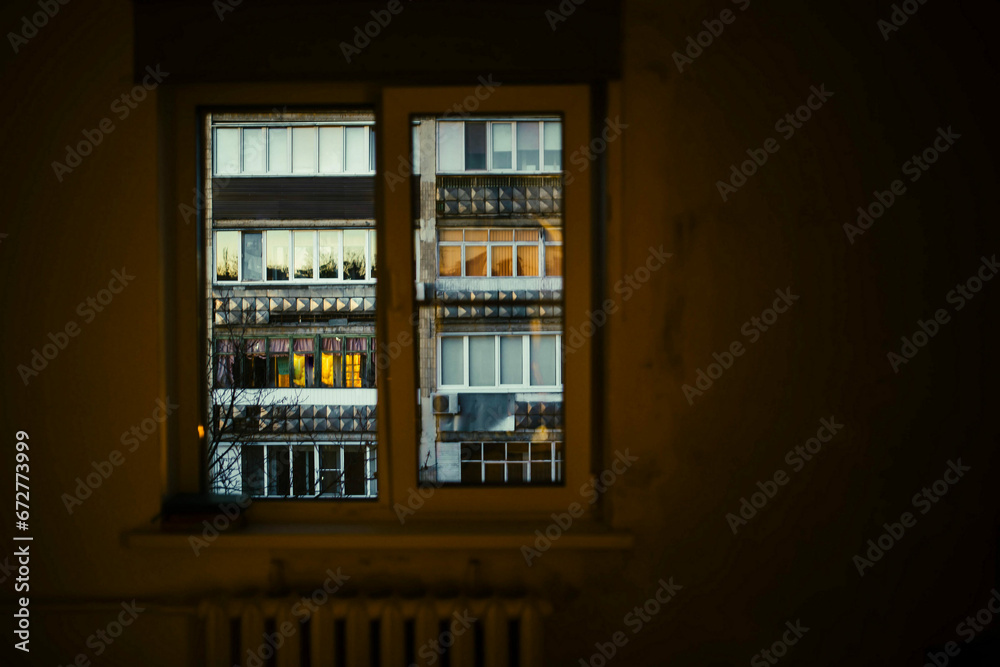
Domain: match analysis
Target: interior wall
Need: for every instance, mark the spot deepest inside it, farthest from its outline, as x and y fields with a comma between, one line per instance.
x=825, y=358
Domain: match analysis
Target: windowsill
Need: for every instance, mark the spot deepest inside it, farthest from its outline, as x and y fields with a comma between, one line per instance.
x=438, y=535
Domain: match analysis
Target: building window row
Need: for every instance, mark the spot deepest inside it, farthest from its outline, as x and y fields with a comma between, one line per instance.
x=328, y=255
x=298, y=469
x=295, y=150
x=314, y=361
x=524, y=146
x=512, y=462
x=485, y=361
x=483, y=252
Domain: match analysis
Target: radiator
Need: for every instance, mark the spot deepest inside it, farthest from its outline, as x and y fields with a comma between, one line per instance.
x=373, y=632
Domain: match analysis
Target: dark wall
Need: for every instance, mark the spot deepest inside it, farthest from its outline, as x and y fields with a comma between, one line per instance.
x=783, y=229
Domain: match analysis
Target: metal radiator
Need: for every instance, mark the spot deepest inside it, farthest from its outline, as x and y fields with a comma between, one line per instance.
x=372, y=632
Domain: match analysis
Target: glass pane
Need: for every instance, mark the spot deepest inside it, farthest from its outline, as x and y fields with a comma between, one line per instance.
x=502, y=152
x=227, y=150
x=277, y=150
x=475, y=146
x=530, y=235
x=511, y=360
x=552, y=153
x=304, y=150
x=371, y=149
x=553, y=235
x=450, y=149
x=252, y=464
x=354, y=471
x=331, y=375
x=475, y=235
x=372, y=250
x=415, y=139
x=227, y=255
x=358, y=151
x=501, y=235
x=253, y=256
x=482, y=361
x=277, y=470
x=303, y=471
x=527, y=146
x=494, y=473
x=543, y=360
x=354, y=254
x=253, y=150
x=329, y=255
x=451, y=260
x=452, y=360
x=304, y=254
x=503, y=260
x=277, y=255
x=450, y=235
x=553, y=260
x=475, y=260
x=331, y=150
x=527, y=260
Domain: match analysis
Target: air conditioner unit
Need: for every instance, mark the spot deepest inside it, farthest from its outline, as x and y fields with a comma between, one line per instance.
x=445, y=404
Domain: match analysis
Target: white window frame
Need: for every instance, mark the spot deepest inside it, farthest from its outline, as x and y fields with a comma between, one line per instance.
x=525, y=384
x=539, y=243
x=243, y=126
x=292, y=280
x=371, y=481
x=489, y=145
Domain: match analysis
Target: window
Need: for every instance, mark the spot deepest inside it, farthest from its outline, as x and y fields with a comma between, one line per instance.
x=484, y=362
x=492, y=145
x=300, y=469
x=295, y=255
x=489, y=252
x=344, y=361
x=313, y=149
x=511, y=462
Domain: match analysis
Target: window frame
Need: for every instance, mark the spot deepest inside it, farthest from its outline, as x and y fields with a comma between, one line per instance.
x=539, y=244
x=265, y=126
x=490, y=169
x=499, y=387
x=370, y=235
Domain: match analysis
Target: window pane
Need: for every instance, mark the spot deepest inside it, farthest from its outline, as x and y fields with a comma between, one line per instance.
x=304, y=150
x=252, y=463
x=511, y=360
x=354, y=254
x=358, y=151
x=502, y=150
x=415, y=138
x=227, y=255
x=527, y=260
x=371, y=149
x=372, y=250
x=527, y=146
x=303, y=470
x=482, y=361
x=451, y=260
x=331, y=150
x=543, y=360
x=526, y=235
x=503, y=260
x=277, y=470
x=553, y=260
x=227, y=150
x=552, y=153
x=451, y=235
x=475, y=260
x=304, y=254
x=253, y=150
x=475, y=235
x=475, y=146
x=452, y=360
x=253, y=256
x=354, y=470
x=450, y=146
x=277, y=150
x=329, y=255
x=277, y=255
x=501, y=235
x=331, y=374
x=553, y=235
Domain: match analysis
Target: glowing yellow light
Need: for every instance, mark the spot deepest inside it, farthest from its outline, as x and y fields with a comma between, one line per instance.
x=201, y=431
